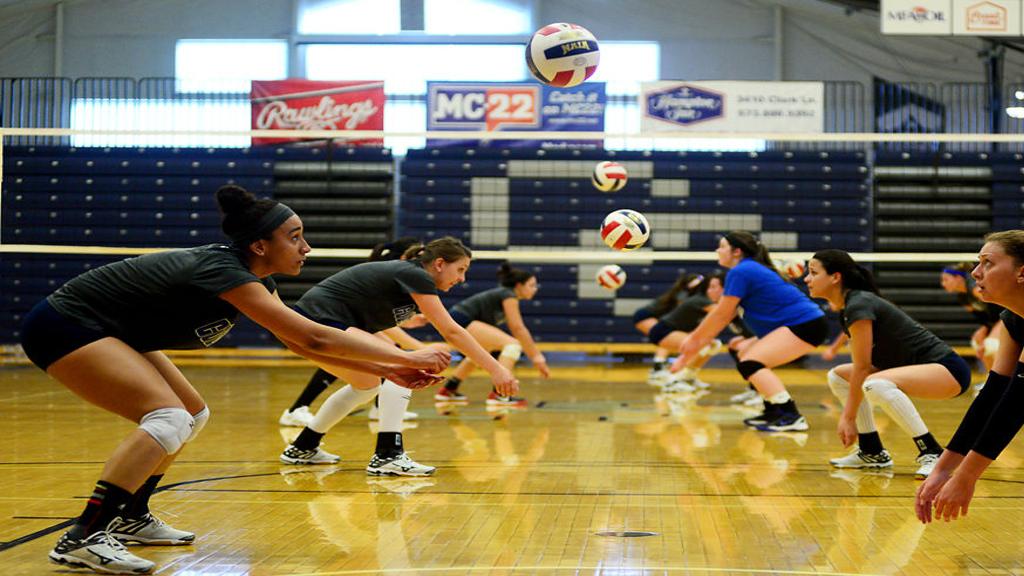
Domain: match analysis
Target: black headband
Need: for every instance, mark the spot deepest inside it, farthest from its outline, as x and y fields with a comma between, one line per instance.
x=267, y=224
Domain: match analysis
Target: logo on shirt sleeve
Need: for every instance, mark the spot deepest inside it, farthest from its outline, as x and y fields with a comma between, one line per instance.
x=210, y=333
x=403, y=313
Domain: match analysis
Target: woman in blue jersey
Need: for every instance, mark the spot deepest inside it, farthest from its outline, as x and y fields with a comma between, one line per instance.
x=894, y=358
x=995, y=417
x=787, y=324
x=101, y=336
x=481, y=314
x=374, y=297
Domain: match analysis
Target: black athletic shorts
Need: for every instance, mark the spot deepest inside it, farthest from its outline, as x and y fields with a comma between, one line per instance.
x=460, y=318
x=47, y=335
x=814, y=332
x=642, y=314
x=958, y=367
x=659, y=331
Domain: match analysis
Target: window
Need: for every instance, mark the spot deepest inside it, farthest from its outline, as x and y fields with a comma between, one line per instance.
x=350, y=17
x=477, y=17
x=228, y=65
x=405, y=68
x=160, y=114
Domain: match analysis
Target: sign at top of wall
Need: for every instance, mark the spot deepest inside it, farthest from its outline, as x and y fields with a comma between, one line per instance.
x=929, y=17
x=987, y=17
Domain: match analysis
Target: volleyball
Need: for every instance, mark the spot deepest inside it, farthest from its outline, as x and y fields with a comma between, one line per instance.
x=562, y=55
x=609, y=176
x=794, y=269
x=625, y=230
x=611, y=277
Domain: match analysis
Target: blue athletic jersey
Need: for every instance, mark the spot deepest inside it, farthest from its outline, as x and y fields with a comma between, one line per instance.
x=768, y=301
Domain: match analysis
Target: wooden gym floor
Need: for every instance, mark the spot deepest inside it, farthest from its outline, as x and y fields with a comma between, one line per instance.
x=548, y=490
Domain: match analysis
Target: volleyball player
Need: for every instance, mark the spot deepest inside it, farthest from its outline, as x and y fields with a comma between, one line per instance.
x=956, y=279
x=894, y=358
x=672, y=328
x=788, y=325
x=480, y=315
x=376, y=296
x=995, y=416
x=298, y=414
x=647, y=316
x=101, y=333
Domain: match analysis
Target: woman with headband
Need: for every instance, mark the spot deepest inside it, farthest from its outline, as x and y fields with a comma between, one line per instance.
x=787, y=324
x=995, y=416
x=894, y=359
x=956, y=279
x=647, y=316
x=101, y=333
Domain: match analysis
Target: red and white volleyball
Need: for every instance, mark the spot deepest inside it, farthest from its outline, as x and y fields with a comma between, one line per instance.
x=609, y=176
x=611, y=277
x=625, y=230
x=794, y=269
x=562, y=55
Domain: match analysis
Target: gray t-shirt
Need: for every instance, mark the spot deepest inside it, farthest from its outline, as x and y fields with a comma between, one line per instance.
x=167, y=300
x=898, y=340
x=373, y=296
x=486, y=306
x=688, y=314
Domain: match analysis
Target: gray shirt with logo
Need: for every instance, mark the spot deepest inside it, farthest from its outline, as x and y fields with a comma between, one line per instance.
x=486, y=306
x=898, y=340
x=373, y=296
x=166, y=300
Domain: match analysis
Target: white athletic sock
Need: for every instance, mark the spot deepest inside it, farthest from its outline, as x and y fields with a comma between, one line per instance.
x=688, y=374
x=896, y=404
x=780, y=398
x=339, y=405
x=841, y=388
x=393, y=401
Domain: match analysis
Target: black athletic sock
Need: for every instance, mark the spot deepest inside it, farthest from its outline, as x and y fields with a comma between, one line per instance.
x=104, y=505
x=452, y=383
x=926, y=444
x=319, y=382
x=139, y=504
x=308, y=439
x=870, y=443
x=389, y=444
x=659, y=365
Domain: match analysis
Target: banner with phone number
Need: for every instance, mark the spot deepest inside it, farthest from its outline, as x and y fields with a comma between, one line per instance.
x=502, y=106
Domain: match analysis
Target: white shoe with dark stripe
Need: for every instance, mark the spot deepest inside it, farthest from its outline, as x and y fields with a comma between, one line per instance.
x=151, y=530
x=860, y=459
x=400, y=465
x=293, y=455
x=100, y=552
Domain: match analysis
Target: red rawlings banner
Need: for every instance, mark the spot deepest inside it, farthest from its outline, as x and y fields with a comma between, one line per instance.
x=317, y=105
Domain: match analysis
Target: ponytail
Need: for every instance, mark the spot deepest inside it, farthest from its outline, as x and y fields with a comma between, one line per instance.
x=855, y=276
x=393, y=250
x=509, y=276
x=752, y=248
x=669, y=299
x=449, y=248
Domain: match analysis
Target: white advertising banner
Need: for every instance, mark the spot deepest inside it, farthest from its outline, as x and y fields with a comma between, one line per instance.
x=930, y=17
x=986, y=17
x=728, y=106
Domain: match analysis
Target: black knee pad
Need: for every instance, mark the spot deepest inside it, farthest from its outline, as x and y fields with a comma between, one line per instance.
x=735, y=356
x=748, y=368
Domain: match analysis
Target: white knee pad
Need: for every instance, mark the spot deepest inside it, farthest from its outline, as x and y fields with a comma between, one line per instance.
x=839, y=386
x=511, y=351
x=991, y=346
x=170, y=427
x=200, y=418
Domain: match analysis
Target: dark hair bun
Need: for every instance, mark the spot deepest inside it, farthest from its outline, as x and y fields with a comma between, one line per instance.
x=234, y=199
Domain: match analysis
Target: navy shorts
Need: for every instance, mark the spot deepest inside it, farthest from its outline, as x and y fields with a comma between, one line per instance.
x=332, y=323
x=460, y=318
x=47, y=335
x=958, y=367
x=659, y=331
x=642, y=314
x=814, y=332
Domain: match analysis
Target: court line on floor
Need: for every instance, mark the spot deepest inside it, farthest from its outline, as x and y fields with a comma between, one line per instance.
x=598, y=569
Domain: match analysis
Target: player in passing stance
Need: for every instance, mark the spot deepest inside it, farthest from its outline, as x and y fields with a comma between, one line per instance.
x=788, y=325
x=298, y=414
x=648, y=315
x=894, y=358
x=480, y=315
x=995, y=416
x=956, y=279
x=100, y=335
x=370, y=298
